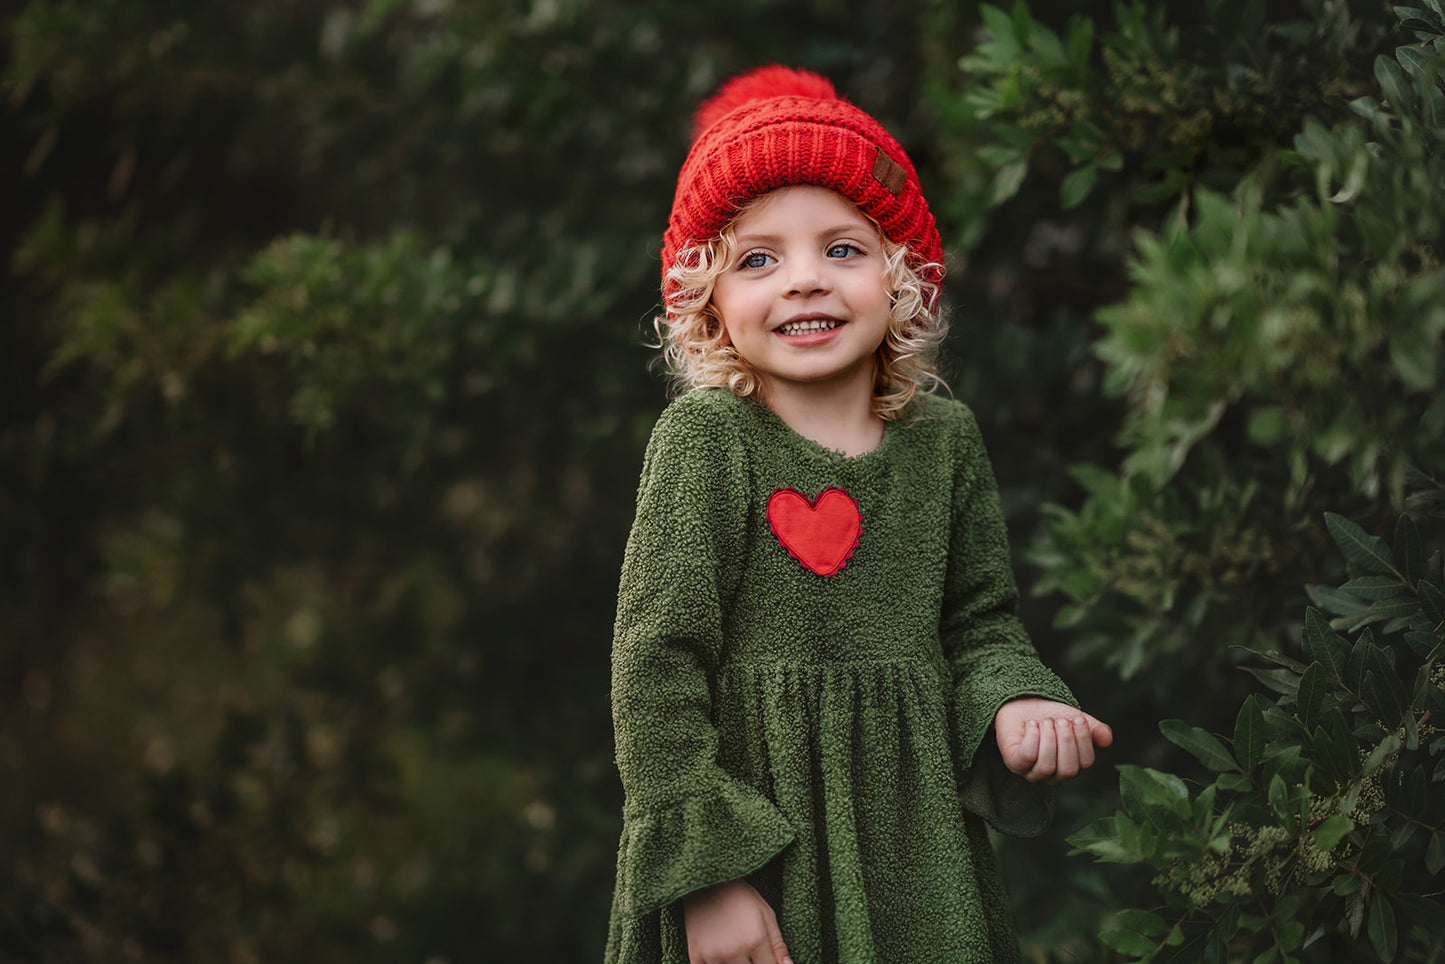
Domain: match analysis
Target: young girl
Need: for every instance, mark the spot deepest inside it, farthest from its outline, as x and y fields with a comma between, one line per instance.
x=815, y=626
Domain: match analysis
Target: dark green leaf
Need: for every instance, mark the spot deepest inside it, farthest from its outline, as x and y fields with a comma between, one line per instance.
x=1281, y=727
x=1406, y=13
x=1336, y=601
x=1433, y=601
x=1291, y=932
x=1420, y=694
x=1380, y=695
x=1249, y=734
x=1413, y=360
x=1080, y=40
x=1383, y=689
x=1350, y=624
x=1280, y=659
x=1077, y=185
x=1422, y=643
x=1401, y=607
x=1364, y=550
x=1233, y=782
x=1354, y=675
x=1413, y=799
x=1382, y=927
x=1435, y=853
x=1202, y=744
x=1267, y=425
x=1216, y=950
x=1398, y=91
x=1283, y=764
x=1204, y=803
x=1279, y=798
x=1145, y=922
x=999, y=24
x=1109, y=840
x=1324, y=644
x=1355, y=916
x=1145, y=790
x=1332, y=830
x=1416, y=64
x=1400, y=623
x=1378, y=659
x=1336, y=750
x=1311, y=696
x=1407, y=550
x=1127, y=941
x=1369, y=109
x=1387, y=747
x=1008, y=179
x=1280, y=680
x=1374, y=587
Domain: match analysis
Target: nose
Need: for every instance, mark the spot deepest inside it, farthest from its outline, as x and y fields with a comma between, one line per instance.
x=806, y=276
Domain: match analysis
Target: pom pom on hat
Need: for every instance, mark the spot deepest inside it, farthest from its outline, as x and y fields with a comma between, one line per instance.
x=775, y=126
x=764, y=83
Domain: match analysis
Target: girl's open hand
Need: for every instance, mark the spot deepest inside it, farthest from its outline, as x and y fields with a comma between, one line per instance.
x=1047, y=742
x=732, y=924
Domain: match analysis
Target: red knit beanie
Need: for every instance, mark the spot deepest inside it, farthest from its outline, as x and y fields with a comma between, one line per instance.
x=776, y=126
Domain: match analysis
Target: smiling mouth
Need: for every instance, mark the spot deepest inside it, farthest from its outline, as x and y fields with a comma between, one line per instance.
x=808, y=327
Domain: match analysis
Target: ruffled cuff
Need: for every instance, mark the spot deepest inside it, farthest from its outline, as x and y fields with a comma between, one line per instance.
x=1010, y=804
x=702, y=840
x=988, y=788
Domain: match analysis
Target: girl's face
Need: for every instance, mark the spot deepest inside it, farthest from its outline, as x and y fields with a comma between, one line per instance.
x=803, y=300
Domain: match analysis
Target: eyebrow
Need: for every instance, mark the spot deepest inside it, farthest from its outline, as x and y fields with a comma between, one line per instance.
x=847, y=227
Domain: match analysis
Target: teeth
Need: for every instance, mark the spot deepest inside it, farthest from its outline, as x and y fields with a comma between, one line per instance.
x=806, y=327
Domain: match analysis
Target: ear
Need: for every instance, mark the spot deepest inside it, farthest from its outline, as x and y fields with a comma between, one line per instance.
x=724, y=339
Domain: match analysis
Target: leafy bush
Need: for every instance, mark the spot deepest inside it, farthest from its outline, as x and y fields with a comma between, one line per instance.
x=1280, y=348
x=324, y=401
x=1322, y=835
x=1263, y=184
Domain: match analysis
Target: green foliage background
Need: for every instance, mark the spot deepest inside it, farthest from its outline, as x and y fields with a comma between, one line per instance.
x=323, y=389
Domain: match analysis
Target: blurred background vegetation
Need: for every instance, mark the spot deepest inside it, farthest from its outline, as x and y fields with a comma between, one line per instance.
x=323, y=390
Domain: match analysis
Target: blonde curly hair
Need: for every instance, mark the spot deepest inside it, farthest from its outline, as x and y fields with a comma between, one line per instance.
x=696, y=350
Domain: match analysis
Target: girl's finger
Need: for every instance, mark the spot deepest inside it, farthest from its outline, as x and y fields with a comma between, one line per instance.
x=1084, y=741
x=1028, y=751
x=1048, y=759
x=779, y=950
x=1103, y=733
x=1068, y=749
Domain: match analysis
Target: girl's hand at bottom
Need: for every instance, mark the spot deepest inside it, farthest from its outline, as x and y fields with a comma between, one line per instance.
x=732, y=924
x=1047, y=742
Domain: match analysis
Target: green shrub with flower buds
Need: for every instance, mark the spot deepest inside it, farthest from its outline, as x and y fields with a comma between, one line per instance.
x=1321, y=835
x=1275, y=178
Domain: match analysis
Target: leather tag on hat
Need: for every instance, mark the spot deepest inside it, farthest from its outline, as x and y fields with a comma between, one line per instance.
x=889, y=173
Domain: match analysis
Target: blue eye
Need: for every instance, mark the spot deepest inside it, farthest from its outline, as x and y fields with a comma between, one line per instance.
x=843, y=251
x=755, y=259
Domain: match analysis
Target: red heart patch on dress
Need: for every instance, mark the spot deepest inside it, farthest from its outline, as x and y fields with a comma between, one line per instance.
x=822, y=533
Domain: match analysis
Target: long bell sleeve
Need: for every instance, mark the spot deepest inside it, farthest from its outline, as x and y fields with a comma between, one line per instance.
x=687, y=823
x=990, y=656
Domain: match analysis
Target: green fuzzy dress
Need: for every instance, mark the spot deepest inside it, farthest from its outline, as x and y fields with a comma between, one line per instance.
x=809, y=652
